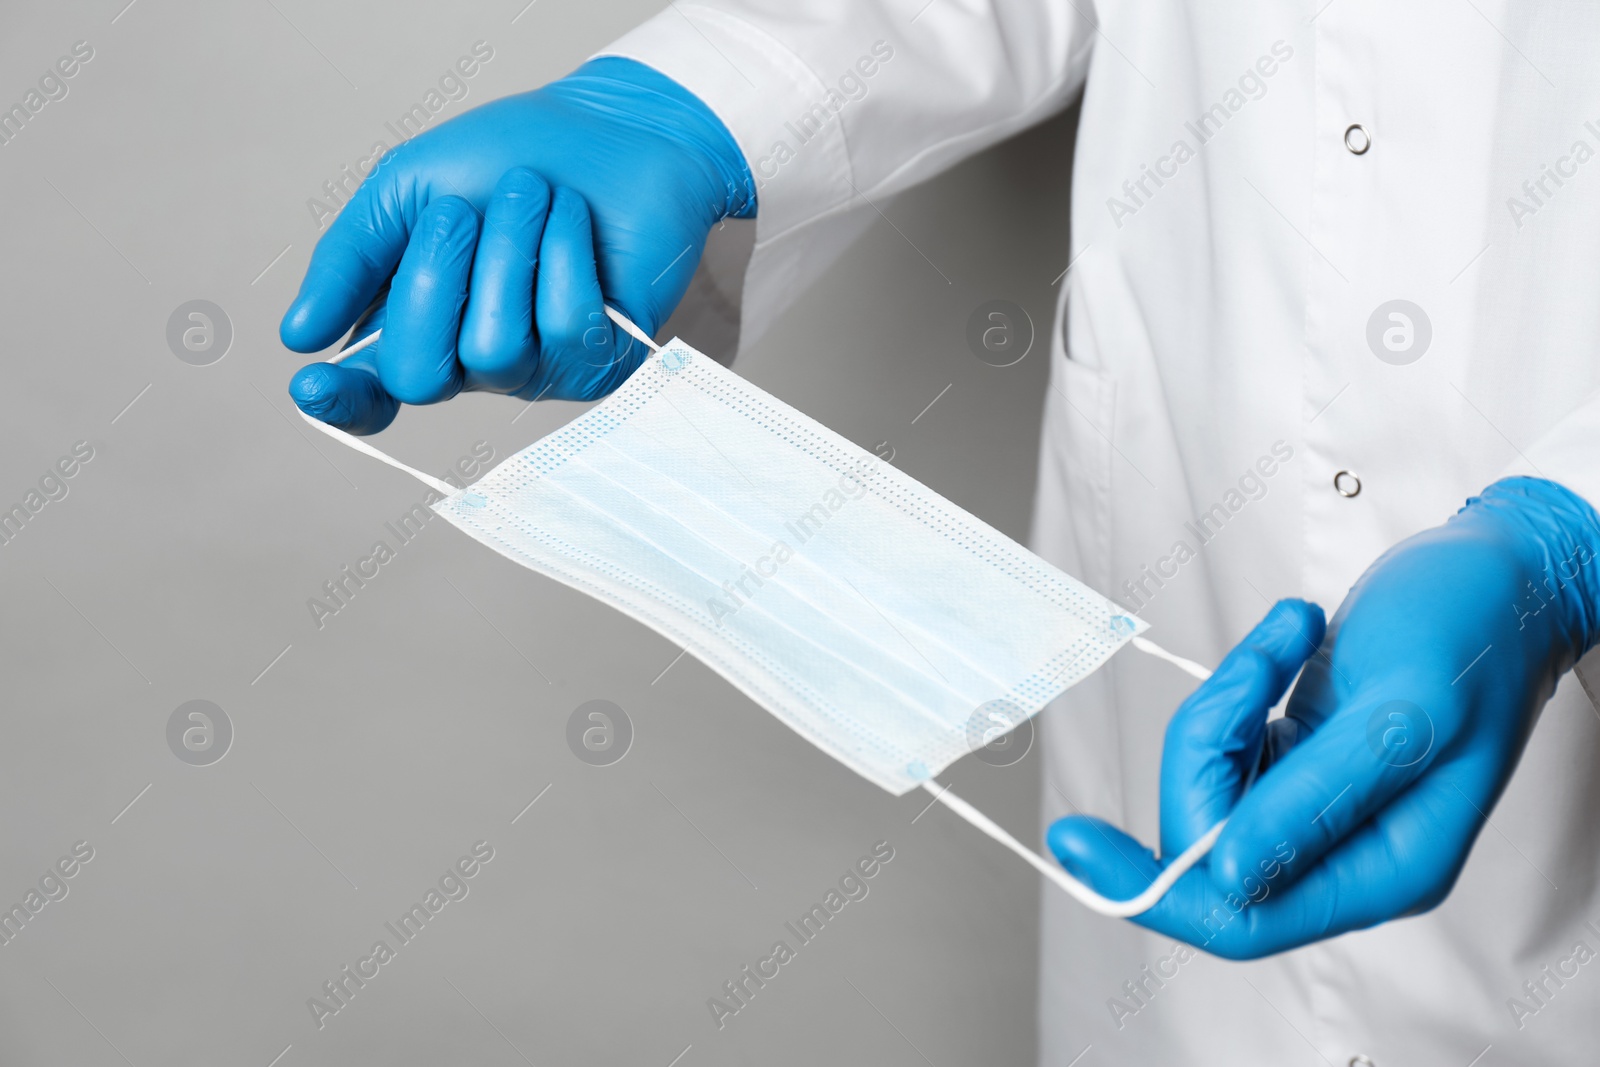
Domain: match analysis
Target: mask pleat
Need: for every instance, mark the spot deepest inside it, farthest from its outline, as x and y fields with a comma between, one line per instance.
x=870, y=614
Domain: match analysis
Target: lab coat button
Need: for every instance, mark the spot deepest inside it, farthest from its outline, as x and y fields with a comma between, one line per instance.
x=1357, y=139
x=1346, y=484
x=1359, y=1060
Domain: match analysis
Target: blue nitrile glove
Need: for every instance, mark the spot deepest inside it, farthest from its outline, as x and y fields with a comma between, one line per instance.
x=1398, y=738
x=500, y=236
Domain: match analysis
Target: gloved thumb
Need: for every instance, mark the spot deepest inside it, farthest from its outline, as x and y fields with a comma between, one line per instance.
x=1213, y=743
x=1214, y=740
x=345, y=395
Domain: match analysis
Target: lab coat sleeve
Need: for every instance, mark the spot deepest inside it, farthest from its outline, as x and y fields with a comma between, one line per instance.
x=839, y=104
x=1568, y=453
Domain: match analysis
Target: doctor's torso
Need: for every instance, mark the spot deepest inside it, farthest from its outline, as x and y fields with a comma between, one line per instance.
x=1331, y=277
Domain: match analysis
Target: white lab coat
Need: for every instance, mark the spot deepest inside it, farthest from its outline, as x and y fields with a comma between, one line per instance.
x=1219, y=318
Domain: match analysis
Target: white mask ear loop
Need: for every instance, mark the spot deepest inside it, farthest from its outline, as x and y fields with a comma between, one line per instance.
x=383, y=457
x=1080, y=892
x=1119, y=909
x=612, y=313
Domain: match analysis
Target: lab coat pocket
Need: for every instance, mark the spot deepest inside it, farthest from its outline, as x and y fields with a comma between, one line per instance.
x=1072, y=524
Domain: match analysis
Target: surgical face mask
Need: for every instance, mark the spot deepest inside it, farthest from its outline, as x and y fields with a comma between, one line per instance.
x=881, y=622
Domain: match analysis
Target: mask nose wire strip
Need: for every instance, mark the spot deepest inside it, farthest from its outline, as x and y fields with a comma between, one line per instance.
x=1118, y=909
x=1077, y=890
x=612, y=313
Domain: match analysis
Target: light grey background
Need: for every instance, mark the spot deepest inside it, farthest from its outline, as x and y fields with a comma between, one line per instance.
x=427, y=714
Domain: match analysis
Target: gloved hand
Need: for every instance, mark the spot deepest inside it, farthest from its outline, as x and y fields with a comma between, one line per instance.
x=1397, y=741
x=501, y=235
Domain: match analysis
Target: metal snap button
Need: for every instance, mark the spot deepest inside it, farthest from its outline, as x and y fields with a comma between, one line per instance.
x=1357, y=139
x=1359, y=1060
x=1346, y=484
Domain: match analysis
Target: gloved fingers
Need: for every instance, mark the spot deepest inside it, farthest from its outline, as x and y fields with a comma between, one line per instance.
x=1327, y=786
x=417, y=355
x=1102, y=856
x=581, y=355
x=1193, y=911
x=1401, y=864
x=1117, y=866
x=497, y=348
x=1281, y=736
x=351, y=263
x=1213, y=742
